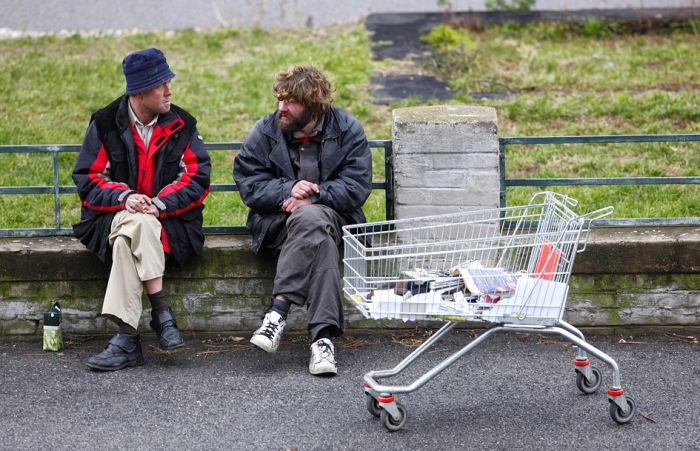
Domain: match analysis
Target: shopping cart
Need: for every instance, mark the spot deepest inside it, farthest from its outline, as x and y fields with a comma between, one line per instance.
x=509, y=266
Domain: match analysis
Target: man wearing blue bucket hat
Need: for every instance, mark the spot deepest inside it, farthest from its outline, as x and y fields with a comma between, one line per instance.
x=142, y=176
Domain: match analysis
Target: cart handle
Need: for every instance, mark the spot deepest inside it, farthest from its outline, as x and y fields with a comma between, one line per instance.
x=592, y=216
x=598, y=214
x=563, y=199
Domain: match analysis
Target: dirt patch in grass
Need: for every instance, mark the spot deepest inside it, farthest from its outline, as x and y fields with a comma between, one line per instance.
x=393, y=88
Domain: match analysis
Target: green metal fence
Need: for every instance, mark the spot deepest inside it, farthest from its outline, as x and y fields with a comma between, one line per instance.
x=506, y=182
x=387, y=185
x=57, y=189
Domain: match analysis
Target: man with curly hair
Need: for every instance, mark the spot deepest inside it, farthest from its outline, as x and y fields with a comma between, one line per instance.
x=305, y=171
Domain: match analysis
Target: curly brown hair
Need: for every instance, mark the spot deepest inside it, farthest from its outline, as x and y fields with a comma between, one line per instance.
x=308, y=86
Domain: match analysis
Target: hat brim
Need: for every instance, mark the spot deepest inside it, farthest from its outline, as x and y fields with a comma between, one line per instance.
x=152, y=83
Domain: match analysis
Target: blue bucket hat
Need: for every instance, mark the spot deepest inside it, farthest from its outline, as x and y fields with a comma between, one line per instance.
x=145, y=69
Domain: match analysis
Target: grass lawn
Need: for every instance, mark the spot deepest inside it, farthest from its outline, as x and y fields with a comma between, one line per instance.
x=50, y=86
x=587, y=81
x=562, y=83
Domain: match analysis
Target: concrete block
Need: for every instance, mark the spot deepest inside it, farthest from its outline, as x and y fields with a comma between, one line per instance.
x=445, y=156
x=442, y=161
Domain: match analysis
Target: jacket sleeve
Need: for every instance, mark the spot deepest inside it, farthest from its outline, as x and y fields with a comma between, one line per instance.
x=352, y=185
x=191, y=186
x=258, y=180
x=91, y=175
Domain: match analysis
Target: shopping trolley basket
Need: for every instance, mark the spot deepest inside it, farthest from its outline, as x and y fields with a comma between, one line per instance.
x=509, y=266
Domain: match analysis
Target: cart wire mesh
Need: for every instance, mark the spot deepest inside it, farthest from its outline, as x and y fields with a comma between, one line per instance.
x=506, y=265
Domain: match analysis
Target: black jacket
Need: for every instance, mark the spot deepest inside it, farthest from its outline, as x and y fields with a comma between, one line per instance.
x=264, y=174
x=106, y=173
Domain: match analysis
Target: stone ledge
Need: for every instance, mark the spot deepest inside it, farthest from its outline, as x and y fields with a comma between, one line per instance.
x=609, y=250
x=641, y=250
x=626, y=277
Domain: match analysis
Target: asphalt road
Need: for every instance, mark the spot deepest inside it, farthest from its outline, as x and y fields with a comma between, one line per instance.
x=109, y=16
x=513, y=392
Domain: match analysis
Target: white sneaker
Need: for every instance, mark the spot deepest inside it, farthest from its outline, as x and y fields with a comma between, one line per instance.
x=322, y=358
x=268, y=336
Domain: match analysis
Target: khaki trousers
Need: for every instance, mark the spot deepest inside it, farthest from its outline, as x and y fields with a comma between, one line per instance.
x=137, y=256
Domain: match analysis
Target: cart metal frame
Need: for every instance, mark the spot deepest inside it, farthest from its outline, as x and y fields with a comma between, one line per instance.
x=378, y=255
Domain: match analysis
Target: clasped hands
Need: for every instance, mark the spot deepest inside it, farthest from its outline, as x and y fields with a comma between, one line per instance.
x=140, y=203
x=302, y=192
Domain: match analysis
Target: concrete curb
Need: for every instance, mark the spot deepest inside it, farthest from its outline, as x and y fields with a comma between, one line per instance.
x=627, y=277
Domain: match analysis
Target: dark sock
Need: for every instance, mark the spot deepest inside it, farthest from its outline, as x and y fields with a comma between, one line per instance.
x=326, y=332
x=158, y=301
x=280, y=307
x=126, y=329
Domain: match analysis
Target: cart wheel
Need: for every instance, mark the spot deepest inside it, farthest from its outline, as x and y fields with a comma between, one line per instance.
x=589, y=386
x=617, y=415
x=392, y=424
x=373, y=406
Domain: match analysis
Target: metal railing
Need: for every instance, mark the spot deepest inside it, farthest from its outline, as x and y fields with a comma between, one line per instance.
x=600, y=181
x=57, y=189
x=387, y=185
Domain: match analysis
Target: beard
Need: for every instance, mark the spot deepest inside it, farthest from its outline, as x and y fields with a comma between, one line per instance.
x=294, y=123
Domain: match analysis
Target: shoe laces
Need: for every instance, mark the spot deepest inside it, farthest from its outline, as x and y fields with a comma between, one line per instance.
x=325, y=350
x=270, y=329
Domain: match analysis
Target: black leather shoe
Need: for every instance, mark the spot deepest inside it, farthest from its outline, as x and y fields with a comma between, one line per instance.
x=121, y=351
x=169, y=336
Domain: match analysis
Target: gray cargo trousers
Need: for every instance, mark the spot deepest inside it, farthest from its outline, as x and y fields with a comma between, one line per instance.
x=307, y=266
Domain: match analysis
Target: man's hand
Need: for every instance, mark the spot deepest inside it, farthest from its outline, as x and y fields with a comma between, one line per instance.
x=304, y=189
x=152, y=210
x=292, y=204
x=139, y=203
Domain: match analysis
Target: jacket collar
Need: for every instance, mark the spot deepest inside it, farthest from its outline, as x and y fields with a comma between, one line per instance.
x=170, y=122
x=335, y=124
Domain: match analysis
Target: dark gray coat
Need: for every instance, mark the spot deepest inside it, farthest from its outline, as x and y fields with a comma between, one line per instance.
x=264, y=174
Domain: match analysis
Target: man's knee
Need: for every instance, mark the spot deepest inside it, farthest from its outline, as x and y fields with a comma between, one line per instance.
x=141, y=219
x=137, y=226
x=121, y=243
x=311, y=216
x=137, y=230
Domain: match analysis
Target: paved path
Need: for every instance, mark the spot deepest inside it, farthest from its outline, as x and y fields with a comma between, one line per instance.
x=110, y=15
x=514, y=392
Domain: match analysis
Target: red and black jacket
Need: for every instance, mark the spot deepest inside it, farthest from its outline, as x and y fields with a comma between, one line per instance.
x=176, y=177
